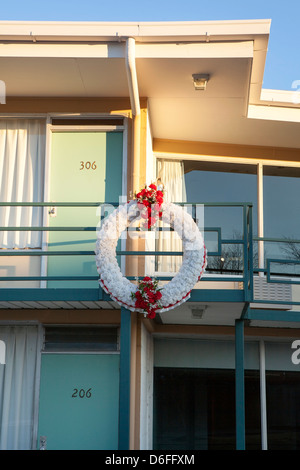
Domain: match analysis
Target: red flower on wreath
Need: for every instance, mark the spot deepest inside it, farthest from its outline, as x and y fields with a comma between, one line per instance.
x=150, y=199
x=147, y=297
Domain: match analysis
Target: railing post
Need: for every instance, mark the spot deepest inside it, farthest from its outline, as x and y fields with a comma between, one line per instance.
x=239, y=385
x=124, y=399
x=248, y=252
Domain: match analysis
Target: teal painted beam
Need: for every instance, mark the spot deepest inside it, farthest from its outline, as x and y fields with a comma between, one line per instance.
x=48, y=295
x=244, y=311
x=49, y=278
x=272, y=315
x=48, y=229
x=86, y=253
x=239, y=386
x=124, y=400
x=217, y=295
x=77, y=294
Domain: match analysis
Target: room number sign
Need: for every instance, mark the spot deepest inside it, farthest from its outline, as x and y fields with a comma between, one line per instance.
x=88, y=165
x=81, y=393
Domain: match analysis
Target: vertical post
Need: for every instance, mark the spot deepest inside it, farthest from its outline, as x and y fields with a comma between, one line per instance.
x=124, y=400
x=260, y=218
x=250, y=252
x=239, y=385
x=245, y=252
x=263, y=399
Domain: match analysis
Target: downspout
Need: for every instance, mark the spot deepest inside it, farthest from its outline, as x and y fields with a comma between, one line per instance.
x=136, y=111
x=133, y=243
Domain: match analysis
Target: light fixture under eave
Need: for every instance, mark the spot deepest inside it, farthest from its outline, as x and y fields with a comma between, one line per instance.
x=198, y=312
x=200, y=80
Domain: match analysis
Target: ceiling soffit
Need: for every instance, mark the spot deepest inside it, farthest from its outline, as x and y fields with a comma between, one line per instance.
x=232, y=55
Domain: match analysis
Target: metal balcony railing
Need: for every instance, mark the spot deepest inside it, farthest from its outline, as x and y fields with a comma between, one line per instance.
x=241, y=272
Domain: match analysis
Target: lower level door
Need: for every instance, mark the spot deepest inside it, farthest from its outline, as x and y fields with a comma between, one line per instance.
x=79, y=402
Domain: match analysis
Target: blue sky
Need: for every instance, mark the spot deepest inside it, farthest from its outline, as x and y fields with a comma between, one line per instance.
x=283, y=59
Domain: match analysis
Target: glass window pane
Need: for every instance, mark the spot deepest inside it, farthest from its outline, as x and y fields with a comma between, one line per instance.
x=81, y=339
x=282, y=216
x=195, y=409
x=283, y=410
x=223, y=183
x=18, y=369
x=22, y=161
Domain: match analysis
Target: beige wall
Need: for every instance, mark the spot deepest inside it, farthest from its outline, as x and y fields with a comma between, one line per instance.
x=226, y=150
x=111, y=106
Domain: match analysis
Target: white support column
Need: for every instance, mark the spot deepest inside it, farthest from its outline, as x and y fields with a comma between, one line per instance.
x=136, y=111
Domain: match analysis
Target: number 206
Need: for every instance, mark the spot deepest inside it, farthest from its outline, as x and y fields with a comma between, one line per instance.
x=82, y=393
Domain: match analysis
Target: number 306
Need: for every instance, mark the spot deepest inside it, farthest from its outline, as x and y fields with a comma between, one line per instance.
x=88, y=166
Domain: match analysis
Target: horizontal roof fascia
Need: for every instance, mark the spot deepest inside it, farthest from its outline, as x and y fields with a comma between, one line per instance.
x=203, y=50
x=274, y=113
x=144, y=31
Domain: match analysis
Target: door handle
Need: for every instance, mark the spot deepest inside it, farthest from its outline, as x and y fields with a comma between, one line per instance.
x=43, y=442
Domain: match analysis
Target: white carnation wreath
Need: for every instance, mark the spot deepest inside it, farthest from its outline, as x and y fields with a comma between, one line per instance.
x=121, y=289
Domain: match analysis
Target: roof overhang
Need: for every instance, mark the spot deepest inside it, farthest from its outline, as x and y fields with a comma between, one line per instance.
x=49, y=59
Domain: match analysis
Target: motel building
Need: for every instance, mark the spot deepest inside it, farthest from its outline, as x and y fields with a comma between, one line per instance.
x=90, y=113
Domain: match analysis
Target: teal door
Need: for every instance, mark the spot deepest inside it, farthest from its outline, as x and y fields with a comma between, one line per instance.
x=79, y=402
x=85, y=167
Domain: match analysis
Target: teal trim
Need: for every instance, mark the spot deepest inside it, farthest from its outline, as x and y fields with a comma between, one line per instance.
x=248, y=253
x=88, y=292
x=219, y=240
x=85, y=253
x=273, y=302
x=273, y=315
x=240, y=385
x=57, y=204
x=48, y=295
x=278, y=280
x=49, y=278
x=77, y=294
x=217, y=295
x=125, y=357
x=45, y=253
x=63, y=292
x=276, y=240
x=47, y=229
x=229, y=295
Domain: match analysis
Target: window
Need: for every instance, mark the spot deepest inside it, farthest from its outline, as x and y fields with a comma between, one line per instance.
x=195, y=409
x=192, y=181
x=283, y=410
x=222, y=183
x=18, y=374
x=75, y=338
x=227, y=182
x=282, y=216
x=22, y=160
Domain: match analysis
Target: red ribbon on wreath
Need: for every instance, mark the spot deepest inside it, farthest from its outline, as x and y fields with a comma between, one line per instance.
x=150, y=198
x=147, y=296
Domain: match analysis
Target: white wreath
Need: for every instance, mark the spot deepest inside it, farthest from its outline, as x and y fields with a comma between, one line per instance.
x=178, y=289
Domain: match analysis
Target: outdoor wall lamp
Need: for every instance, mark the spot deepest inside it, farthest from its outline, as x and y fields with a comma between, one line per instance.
x=200, y=80
x=198, y=312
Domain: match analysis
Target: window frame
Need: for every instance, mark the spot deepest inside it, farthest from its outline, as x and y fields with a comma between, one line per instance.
x=260, y=164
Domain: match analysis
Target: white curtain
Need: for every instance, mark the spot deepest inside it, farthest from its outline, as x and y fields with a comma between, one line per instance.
x=17, y=386
x=171, y=173
x=22, y=157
